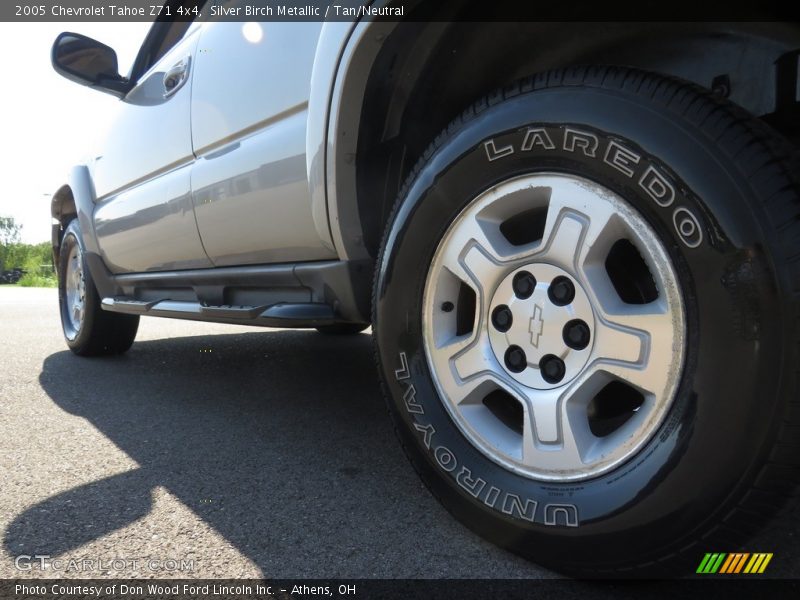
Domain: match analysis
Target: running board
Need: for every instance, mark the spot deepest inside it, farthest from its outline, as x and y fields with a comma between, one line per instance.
x=283, y=314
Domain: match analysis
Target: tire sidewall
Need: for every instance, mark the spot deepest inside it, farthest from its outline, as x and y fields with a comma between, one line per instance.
x=72, y=237
x=723, y=411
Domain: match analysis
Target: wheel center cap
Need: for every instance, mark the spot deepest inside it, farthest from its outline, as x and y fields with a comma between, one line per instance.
x=541, y=326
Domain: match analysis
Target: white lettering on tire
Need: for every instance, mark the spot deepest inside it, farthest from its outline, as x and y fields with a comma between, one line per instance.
x=510, y=504
x=569, y=511
x=445, y=458
x=410, y=399
x=688, y=227
x=582, y=139
x=652, y=180
x=513, y=505
x=537, y=136
x=621, y=158
x=465, y=480
x=493, y=153
x=657, y=187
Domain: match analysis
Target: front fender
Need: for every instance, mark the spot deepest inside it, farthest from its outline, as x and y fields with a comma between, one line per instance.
x=78, y=197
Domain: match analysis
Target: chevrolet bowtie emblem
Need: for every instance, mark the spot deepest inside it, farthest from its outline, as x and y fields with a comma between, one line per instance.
x=536, y=325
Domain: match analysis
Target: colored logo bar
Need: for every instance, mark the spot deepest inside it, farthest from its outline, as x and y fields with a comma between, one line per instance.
x=734, y=563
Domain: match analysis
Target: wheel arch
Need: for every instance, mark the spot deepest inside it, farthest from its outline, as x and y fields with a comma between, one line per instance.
x=76, y=199
x=423, y=73
x=62, y=211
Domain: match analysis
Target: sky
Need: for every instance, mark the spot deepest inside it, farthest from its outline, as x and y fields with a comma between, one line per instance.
x=47, y=123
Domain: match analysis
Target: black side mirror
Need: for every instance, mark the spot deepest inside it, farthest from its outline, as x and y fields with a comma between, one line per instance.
x=88, y=62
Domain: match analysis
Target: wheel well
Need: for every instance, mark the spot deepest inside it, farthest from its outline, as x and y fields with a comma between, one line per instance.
x=62, y=210
x=425, y=73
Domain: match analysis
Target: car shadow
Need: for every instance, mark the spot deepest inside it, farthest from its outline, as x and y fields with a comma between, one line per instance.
x=278, y=440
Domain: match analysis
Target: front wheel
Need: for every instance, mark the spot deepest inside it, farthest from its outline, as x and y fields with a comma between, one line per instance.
x=585, y=314
x=88, y=329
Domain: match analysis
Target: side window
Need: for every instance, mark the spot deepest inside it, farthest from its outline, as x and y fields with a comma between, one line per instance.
x=163, y=36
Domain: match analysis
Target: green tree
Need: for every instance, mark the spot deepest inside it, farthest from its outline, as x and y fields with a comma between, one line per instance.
x=9, y=238
x=36, y=259
x=9, y=231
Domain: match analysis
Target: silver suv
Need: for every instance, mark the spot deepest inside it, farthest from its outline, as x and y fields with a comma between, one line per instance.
x=578, y=246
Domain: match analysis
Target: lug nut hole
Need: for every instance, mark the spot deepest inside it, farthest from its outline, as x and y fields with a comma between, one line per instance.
x=524, y=284
x=561, y=291
x=515, y=359
x=552, y=368
x=502, y=318
x=576, y=334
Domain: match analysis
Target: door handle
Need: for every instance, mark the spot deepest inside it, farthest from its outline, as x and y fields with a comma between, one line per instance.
x=176, y=76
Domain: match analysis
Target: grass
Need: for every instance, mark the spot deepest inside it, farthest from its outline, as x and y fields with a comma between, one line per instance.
x=36, y=280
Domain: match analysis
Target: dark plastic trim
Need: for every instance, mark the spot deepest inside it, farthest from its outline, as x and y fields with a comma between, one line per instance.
x=332, y=292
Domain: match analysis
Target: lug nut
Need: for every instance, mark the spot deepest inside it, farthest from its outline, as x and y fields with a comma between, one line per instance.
x=552, y=368
x=515, y=358
x=576, y=334
x=524, y=283
x=502, y=318
x=448, y=306
x=561, y=291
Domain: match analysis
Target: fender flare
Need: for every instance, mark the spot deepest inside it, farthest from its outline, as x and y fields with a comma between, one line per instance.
x=343, y=62
x=79, y=195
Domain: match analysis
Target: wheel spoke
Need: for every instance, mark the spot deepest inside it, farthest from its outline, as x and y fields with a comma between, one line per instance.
x=575, y=223
x=618, y=344
x=554, y=428
x=473, y=256
x=565, y=239
x=542, y=418
x=474, y=360
x=472, y=364
x=482, y=268
x=634, y=346
x=653, y=319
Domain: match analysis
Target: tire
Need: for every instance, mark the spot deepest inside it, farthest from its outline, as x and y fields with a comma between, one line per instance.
x=709, y=199
x=96, y=332
x=342, y=328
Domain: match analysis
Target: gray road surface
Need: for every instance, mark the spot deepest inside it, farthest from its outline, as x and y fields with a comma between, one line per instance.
x=249, y=452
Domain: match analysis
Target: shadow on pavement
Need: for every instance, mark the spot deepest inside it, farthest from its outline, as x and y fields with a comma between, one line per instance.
x=278, y=440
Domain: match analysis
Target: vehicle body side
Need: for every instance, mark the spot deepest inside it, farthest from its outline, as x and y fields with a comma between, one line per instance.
x=272, y=172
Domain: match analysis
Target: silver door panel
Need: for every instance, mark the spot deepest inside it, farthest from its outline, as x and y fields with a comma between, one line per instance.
x=151, y=227
x=252, y=198
x=249, y=117
x=144, y=216
x=150, y=133
x=239, y=82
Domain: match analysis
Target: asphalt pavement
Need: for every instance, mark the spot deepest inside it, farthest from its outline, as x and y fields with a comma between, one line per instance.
x=220, y=451
x=249, y=452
